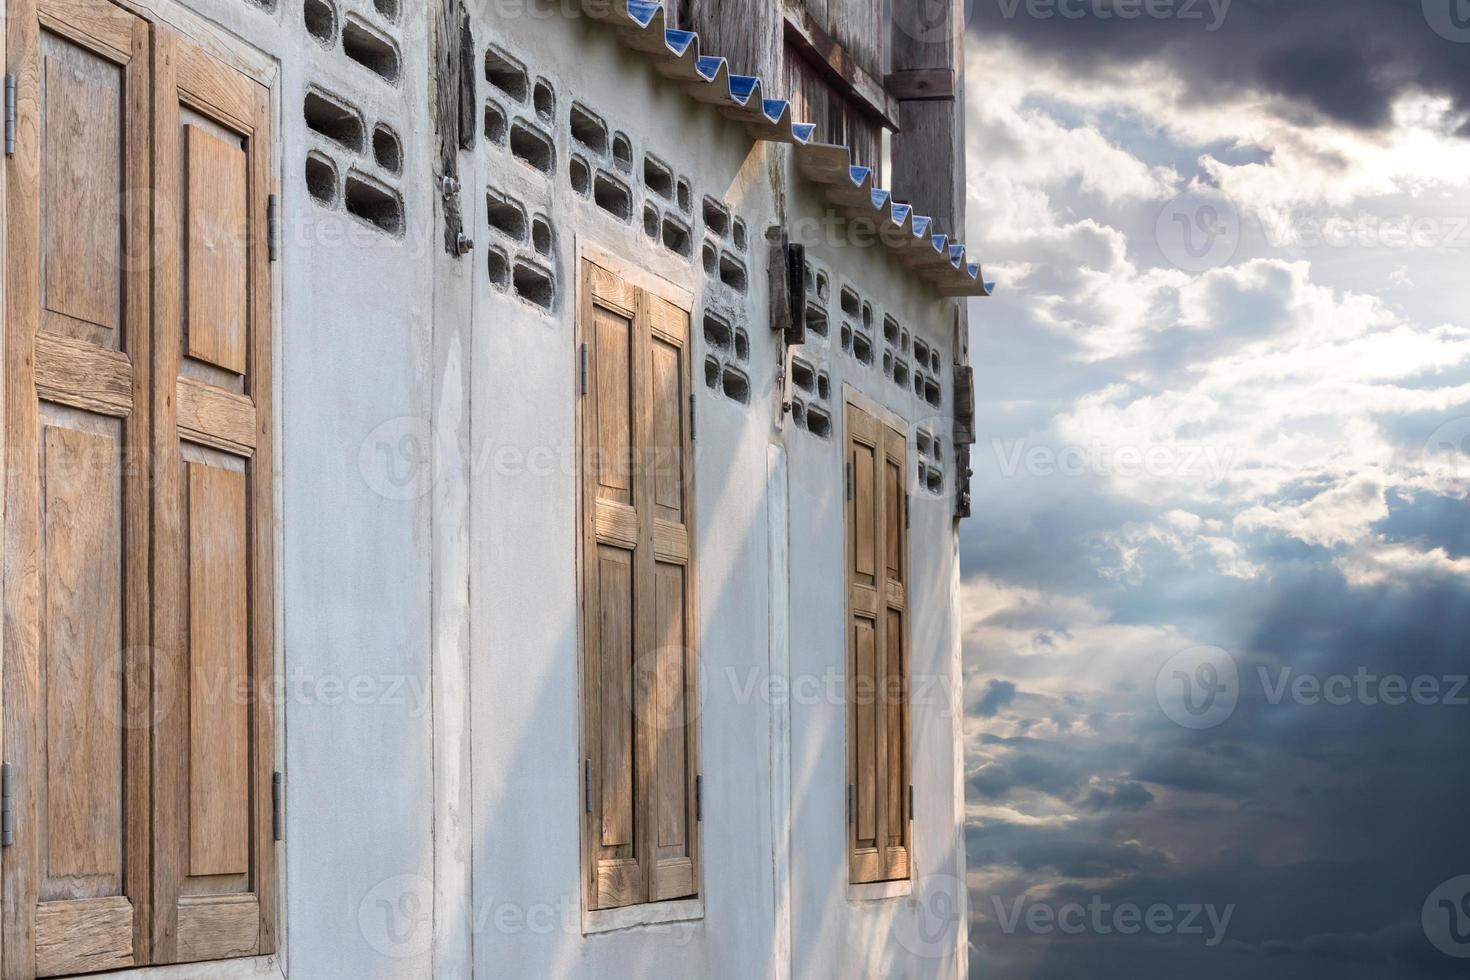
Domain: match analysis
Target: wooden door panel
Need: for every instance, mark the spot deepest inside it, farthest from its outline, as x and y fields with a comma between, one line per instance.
x=638, y=651
x=213, y=869
x=76, y=530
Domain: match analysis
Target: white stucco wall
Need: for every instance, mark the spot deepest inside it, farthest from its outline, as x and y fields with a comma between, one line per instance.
x=429, y=728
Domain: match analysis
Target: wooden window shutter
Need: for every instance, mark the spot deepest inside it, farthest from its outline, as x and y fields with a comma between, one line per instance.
x=138, y=592
x=214, y=875
x=638, y=673
x=878, y=831
x=76, y=520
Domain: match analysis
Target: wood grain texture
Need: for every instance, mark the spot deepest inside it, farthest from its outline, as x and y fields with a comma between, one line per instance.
x=219, y=724
x=214, y=417
x=82, y=184
x=217, y=928
x=216, y=249
x=81, y=647
x=76, y=885
x=84, y=936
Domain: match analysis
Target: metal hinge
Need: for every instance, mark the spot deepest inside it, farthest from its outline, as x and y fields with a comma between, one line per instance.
x=582, y=369
x=272, y=227
x=691, y=418
x=849, y=480
x=7, y=808
x=911, y=801
x=849, y=802
x=698, y=799
x=587, y=785
x=908, y=520
x=10, y=115
x=278, y=802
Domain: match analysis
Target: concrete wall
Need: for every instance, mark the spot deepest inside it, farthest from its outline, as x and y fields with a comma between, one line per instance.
x=428, y=521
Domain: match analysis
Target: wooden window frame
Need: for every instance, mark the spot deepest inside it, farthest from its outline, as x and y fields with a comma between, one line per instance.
x=886, y=867
x=640, y=285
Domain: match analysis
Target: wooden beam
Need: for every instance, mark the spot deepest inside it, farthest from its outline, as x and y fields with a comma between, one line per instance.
x=819, y=48
x=921, y=85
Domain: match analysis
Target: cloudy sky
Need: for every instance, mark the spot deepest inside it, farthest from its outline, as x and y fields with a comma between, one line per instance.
x=1217, y=588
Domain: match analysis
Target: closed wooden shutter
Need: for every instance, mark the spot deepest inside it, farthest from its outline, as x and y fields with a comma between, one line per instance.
x=76, y=523
x=213, y=599
x=638, y=633
x=138, y=588
x=877, y=640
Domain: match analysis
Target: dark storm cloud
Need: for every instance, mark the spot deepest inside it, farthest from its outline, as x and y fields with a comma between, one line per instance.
x=1340, y=60
x=997, y=695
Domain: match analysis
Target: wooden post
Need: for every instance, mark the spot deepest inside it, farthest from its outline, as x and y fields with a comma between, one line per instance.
x=928, y=80
x=746, y=33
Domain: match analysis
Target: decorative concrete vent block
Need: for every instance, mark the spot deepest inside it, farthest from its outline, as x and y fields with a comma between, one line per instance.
x=919, y=382
x=887, y=364
x=534, y=284
x=506, y=74
x=543, y=238
x=711, y=259
x=798, y=413
x=712, y=372
x=921, y=354
x=901, y=373
x=588, y=129
x=803, y=375
x=852, y=304
x=505, y=215
x=934, y=480
x=924, y=442
x=495, y=123
x=846, y=338
x=816, y=320
x=370, y=48
x=387, y=9
x=321, y=178
x=543, y=97
x=824, y=286
x=622, y=151
x=658, y=178
x=732, y=272
x=613, y=196
x=934, y=359
x=891, y=331
x=742, y=345
x=387, y=149
x=716, y=218
x=374, y=203
x=499, y=269
x=862, y=348
x=808, y=280
x=819, y=422
x=736, y=385
x=532, y=147
x=824, y=386
x=738, y=232
x=719, y=335
x=579, y=175
x=677, y=238
x=333, y=118
x=652, y=221
x=321, y=21
x=685, y=193
x=932, y=393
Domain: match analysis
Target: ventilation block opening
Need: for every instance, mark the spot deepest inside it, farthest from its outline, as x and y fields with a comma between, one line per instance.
x=387, y=9
x=657, y=177
x=543, y=97
x=738, y=231
x=818, y=422
x=588, y=128
x=816, y=320
x=718, y=333
x=677, y=238
x=321, y=179
x=732, y=272
x=506, y=74
x=851, y=305
x=711, y=372
x=613, y=196
x=505, y=215
x=541, y=235
x=494, y=123
x=532, y=147
x=333, y=119
x=650, y=221
x=716, y=217
x=499, y=269
x=803, y=375
x=736, y=385
x=580, y=176
x=374, y=51
x=374, y=203
x=686, y=195
x=534, y=285
x=387, y=150
x=862, y=348
x=321, y=20
x=622, y=151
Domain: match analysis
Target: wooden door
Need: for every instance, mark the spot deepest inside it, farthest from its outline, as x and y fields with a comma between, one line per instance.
x=137, y=595
x=213, y=883
x=638, y=632
x=76, y=634
x=877, y=631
